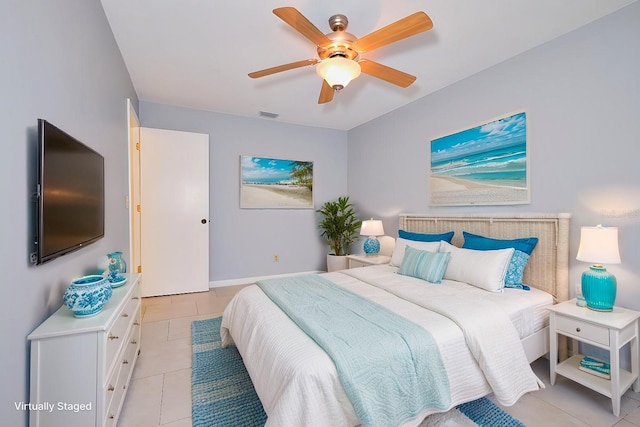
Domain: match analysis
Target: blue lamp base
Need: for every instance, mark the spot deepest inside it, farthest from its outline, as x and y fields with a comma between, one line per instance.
x=371, y=246
x=599, y=288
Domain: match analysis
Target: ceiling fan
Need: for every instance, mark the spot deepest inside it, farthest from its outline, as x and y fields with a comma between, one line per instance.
x=339, y=52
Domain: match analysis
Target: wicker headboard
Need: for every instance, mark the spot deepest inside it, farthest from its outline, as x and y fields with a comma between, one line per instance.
x=548, y=267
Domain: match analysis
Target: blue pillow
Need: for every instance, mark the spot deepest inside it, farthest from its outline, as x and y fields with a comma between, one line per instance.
x=422, y=237
x=523, y=249
x=425, y=265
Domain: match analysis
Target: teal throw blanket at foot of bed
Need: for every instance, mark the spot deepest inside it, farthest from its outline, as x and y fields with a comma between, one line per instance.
x=390, y=367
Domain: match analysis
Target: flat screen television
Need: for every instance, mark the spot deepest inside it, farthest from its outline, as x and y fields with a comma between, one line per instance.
x=70, y=193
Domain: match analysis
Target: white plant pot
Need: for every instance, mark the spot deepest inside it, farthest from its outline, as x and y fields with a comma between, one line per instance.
x=335, y=263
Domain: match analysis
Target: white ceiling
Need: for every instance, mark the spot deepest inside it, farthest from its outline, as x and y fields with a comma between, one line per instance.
x=197, y=53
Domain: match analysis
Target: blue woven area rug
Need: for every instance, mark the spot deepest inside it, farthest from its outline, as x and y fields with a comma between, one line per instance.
x=222, y=394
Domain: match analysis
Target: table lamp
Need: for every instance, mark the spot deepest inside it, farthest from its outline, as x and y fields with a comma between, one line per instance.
x=599, y=245
x=372, y=228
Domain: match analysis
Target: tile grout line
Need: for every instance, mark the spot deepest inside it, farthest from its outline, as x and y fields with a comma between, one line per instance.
x=161, y=399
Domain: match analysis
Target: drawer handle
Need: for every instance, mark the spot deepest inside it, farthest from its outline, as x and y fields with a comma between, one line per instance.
x=111, y=417
x=136, y=323
x=113, y=337
x=124, y=315
x=577, y=329
x=135, y=298
x=125, y=362
x=110, y=388
x=134, y=342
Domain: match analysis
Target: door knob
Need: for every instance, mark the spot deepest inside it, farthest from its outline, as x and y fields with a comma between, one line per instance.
x=204, y=221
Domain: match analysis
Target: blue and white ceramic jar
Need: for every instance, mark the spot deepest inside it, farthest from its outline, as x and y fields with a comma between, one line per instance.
x=87, y=295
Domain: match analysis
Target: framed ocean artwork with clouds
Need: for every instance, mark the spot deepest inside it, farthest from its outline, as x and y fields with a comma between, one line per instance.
x=483, y=165
x=267, y=183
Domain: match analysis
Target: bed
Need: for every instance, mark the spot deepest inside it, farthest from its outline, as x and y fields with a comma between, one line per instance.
x=298, y=382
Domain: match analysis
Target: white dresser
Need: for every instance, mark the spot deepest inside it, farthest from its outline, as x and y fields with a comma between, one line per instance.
x=81, y=367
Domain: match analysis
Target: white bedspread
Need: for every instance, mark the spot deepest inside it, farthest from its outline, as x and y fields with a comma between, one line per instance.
x=297, y=382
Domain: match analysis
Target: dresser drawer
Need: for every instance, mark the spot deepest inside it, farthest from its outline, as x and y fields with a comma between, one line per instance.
x=116, y=337
x=111, y=414
x=119, y=380
x=582, y=330
x=123, y=370
x=111, y=388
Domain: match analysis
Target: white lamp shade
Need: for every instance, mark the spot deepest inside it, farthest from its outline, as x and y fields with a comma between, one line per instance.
x=599, y=245
x=372, y=227
x=338, y=71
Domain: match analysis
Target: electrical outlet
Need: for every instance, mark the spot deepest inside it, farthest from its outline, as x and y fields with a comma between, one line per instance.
x=276, y=258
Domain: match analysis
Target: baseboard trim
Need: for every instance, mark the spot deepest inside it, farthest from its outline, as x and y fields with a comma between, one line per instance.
x=245, y=280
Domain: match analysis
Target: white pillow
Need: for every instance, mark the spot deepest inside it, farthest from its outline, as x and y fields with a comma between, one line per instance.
x=398, y=250
x=484, y=269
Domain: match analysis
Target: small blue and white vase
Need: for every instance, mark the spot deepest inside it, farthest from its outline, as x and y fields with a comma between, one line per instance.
x=87, y=295
x=117, y=267
x=116, y=263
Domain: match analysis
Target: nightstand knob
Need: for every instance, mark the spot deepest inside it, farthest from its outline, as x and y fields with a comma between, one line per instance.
x=577, y=329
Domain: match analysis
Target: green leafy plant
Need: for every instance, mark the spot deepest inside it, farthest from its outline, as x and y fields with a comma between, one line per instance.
x=339, y=224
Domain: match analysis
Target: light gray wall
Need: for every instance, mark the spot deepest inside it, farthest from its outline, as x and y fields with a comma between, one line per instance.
x=244, y=241
x=60, y=62
x=581, y=93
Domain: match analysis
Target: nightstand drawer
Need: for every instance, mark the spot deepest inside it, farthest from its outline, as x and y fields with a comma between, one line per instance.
x=356, y=261
x=356, y=264
x=582, y=330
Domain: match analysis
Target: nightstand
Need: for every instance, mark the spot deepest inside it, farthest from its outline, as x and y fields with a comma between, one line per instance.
x=367, y=260
x=611, y=331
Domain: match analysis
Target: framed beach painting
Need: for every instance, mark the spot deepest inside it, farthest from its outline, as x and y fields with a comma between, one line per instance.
x=483, y=165
x=275, y=183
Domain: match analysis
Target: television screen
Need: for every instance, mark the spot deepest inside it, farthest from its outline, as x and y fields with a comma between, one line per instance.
x=70, y=194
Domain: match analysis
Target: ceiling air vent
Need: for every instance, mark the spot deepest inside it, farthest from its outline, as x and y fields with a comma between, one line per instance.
x=268, y=114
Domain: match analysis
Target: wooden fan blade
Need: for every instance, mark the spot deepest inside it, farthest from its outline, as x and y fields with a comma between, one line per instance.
x=387, y=74
x=326, y=93
x=406, y=27
x=284, y=67
x=293, y=17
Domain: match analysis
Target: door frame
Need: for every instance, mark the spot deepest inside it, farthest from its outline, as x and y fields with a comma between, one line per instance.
x=133, y=127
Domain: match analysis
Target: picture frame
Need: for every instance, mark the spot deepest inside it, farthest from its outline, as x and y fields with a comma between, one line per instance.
x=487, y=164
x=270, y=183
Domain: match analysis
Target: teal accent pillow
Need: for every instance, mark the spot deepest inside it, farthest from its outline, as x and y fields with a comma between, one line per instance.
x=425, y=265
x=422, y=237
x=523, y=248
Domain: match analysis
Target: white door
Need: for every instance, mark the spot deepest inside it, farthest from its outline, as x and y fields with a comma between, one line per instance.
x=174, y=199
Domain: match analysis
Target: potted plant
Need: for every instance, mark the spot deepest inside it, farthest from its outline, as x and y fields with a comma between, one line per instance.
x=339, y=226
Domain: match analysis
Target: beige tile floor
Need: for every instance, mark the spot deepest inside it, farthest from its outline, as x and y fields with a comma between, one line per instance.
x=160, y=391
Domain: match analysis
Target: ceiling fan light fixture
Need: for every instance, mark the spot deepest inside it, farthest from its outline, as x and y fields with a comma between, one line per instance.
x=338, y=71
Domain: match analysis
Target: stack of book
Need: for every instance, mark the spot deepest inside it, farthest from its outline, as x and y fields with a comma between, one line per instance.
x=595, y=367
